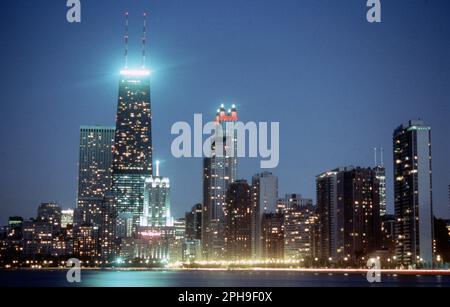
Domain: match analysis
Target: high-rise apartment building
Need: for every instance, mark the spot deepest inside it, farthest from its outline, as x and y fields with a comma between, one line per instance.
x=272, y=236
x=413, y=194
x=348, y=209
x=238, y=232
x=298, y=227
x=265, y=196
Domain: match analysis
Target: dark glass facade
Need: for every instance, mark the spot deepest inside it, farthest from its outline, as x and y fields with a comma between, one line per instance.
x=132, y=150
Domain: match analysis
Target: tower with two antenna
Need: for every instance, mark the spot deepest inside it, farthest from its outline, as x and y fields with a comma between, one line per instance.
x=133, y=150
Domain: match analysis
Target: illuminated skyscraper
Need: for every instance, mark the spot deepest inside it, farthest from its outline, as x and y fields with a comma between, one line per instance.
x=219, y=171
x=413, y=194
x=94, y=173
x=265, y=196
x=132, y=162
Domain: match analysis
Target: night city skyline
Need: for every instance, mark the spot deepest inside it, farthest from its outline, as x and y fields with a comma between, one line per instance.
x=351, y=84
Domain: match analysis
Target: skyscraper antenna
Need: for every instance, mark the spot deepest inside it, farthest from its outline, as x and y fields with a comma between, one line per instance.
x=375, y=153
x=157, y=168
x=381, y=153
x=126, y=39
x=144, y=40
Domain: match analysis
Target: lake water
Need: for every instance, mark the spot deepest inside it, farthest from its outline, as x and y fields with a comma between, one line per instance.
x=110, y=278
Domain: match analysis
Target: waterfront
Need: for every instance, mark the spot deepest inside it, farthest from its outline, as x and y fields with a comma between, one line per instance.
x=223, y=278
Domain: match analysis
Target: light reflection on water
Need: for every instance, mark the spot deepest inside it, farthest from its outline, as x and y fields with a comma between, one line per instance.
x=109, y=278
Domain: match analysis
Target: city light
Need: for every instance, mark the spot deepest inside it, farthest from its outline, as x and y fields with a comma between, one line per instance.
x=135, y=72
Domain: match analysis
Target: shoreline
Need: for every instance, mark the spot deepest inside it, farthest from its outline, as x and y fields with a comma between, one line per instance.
x=417, y=272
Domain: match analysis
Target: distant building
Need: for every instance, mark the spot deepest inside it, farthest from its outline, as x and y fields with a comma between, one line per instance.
x=298, y=227
x=192, y=250
x=388, y=233
x=94, y=172
x=238, y=234
x=413, y=194
x=11, y=241
x=37, y=239
x=265, y=196
x=67, y=218
x=380, y=174
x=272, y=236
x=108, y=239
x=62, y=244
x=86, y=243
x=348, y=209
x=442, y=240
x=15, y=221
x=50, y=213
x=151, y=243
x=194, y=223
x=156, y=211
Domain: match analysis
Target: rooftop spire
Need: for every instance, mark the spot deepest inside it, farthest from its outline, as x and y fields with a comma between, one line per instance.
x=375, y=153
x=126, y=39
x=144, y=41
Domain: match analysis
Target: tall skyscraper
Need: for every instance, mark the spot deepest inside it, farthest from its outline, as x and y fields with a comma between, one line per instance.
x=298, y=227
x=413, y=194
x=238, y=233
x=132, y=163
x=94, y=172
x=265, y=196
x=219, y=171
x=348, y=210
x=326, y=188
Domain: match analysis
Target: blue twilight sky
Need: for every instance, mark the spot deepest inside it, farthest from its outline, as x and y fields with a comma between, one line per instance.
x=337, y=84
